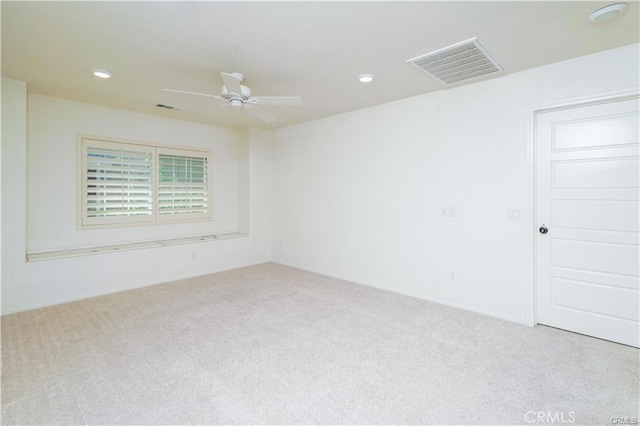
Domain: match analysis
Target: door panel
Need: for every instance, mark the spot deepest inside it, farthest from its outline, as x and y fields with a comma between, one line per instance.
x=596, y=215
x=595, y=298
x=611, y=258
x=598, y=173
x=587, y=192
x=614, y=280
x=596, y=133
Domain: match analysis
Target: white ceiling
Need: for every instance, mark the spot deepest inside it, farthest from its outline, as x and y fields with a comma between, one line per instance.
x=310, y=49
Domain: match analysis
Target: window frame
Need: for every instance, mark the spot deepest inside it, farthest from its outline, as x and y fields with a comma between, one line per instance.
x=155, y=218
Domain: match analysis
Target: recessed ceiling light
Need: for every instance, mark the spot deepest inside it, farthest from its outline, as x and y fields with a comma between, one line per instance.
x=608, y=12
x=365, y=78
x=102, y=73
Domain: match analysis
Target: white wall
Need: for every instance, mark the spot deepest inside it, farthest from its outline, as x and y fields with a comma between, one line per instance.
x=358, y=196
x=14, y=182
x=53, y=128
x=29, y=285
x=355, y=196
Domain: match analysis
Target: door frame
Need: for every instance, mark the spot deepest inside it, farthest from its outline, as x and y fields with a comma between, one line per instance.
x=530, y=219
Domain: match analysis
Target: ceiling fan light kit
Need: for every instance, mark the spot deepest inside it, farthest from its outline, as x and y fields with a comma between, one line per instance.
x=237, y=96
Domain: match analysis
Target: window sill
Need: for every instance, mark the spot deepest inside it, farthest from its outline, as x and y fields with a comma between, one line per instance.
x=87, y=251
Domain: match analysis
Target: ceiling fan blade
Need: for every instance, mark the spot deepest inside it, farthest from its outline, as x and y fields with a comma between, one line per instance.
x=261, y=114
x=193, y=93
x=232, y=83
x=278, y=100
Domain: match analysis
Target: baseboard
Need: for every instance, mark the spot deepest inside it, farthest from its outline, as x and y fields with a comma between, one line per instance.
x=85, y=296
x=434, y=300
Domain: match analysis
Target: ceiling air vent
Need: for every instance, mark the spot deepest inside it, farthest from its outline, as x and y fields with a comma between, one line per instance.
x=462, y=61
x=171, y=107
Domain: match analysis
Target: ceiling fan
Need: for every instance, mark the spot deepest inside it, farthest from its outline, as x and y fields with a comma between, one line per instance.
x=235, y=95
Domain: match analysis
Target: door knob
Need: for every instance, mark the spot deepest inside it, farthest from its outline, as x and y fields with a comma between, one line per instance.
x=543, y=229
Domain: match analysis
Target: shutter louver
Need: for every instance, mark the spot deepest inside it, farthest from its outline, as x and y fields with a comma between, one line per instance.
x=132, y=183
x=183, y=185
x=118, y=182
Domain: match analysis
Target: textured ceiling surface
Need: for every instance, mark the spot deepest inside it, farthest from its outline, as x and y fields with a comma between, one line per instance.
x=314, y=50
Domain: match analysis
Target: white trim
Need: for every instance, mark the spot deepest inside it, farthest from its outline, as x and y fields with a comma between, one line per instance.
x=530, y=200
x=529, y=223
x=142, y=143
x=114, y=248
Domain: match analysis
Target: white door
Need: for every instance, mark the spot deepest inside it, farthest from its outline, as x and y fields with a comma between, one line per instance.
x=587, y=191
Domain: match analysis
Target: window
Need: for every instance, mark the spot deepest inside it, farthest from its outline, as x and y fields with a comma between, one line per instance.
x=182, y=183
x=137, y=183
x=119, y=183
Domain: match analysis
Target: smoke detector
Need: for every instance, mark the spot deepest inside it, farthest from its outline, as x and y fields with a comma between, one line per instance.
x=466, y=60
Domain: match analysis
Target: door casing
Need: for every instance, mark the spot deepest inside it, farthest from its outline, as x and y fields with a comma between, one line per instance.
x=530, y=219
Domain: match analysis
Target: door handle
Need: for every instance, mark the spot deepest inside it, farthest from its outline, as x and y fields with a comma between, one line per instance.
x=543, y=229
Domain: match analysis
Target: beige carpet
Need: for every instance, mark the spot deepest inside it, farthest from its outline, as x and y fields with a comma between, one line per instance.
x=272, y=344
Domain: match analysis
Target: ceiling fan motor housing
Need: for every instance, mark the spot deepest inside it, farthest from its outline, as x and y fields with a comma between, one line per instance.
x=245, y=95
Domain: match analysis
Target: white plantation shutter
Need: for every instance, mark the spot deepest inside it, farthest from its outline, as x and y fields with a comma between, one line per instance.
x=131, y=183
x=183, y=184
x=118, y=183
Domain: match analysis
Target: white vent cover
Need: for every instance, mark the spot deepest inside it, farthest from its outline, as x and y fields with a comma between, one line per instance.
x=462, y=61
x=170, y=107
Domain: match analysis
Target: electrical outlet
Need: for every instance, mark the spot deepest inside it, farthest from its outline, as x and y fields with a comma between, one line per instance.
x=513, y=214
x=452, y=277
